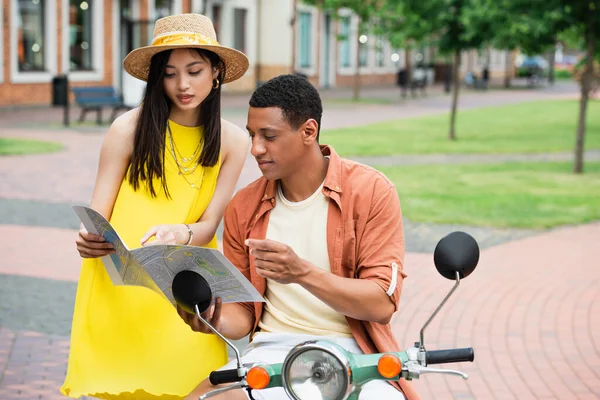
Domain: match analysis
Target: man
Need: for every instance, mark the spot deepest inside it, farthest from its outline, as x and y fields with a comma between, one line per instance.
x=319, y=236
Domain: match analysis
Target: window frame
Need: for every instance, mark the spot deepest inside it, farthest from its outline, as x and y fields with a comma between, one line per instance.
x=50, y=47
x=2, y=63
x=314, y=12
x=243, y=28
x=352, y=37
x=380, y=47
x=347, y=41
x=97, y=72
x=367, y=47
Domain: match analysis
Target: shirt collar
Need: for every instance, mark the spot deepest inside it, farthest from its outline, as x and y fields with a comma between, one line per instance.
x=333, y=179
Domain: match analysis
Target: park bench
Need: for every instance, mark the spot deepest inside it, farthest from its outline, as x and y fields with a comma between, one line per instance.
x=97, y=97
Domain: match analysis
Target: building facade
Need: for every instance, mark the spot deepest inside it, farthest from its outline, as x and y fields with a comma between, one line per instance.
x=88, y=39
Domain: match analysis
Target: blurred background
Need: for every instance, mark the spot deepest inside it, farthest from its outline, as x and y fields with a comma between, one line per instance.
x=483, y=113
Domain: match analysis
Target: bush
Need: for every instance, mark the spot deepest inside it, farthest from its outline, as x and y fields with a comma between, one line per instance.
x=563, y=74
x=522, y=73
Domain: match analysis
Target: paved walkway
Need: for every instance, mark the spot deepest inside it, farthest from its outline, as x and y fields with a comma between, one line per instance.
x=530, y=310
x=378, y=104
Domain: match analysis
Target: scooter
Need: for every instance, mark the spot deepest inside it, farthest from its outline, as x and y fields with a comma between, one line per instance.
x=320, y=369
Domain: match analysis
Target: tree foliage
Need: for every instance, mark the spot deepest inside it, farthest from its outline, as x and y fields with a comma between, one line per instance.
x=453, y=26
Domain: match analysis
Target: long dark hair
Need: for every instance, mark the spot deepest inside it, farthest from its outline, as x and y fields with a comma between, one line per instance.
x=147, y=159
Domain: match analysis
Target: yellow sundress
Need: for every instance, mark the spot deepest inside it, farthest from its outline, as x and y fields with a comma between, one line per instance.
x=128, y=342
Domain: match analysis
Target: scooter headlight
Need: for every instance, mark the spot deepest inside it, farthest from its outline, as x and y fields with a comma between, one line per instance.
x=316, y=371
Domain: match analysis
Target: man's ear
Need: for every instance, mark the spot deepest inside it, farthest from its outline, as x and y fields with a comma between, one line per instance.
x=310, y=131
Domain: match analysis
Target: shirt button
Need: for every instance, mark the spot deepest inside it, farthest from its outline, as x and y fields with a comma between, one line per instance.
x=272, y=201
x=337, y=188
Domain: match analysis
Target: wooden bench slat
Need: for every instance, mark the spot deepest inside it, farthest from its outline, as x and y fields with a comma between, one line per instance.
x=94, y=89
x=96, y=97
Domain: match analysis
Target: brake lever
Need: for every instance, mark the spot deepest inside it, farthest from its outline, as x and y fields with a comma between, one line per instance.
x=239, y=385
x=414, y=371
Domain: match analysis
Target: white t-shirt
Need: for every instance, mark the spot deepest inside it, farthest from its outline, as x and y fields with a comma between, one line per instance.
x=291, y=308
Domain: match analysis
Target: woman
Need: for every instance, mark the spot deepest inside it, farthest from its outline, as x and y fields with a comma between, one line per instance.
x=166, y=173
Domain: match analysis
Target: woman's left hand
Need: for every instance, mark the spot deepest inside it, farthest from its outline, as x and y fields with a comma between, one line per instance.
x=166, y=234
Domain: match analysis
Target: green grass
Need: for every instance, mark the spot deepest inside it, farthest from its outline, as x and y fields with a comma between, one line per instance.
x=519, y=195
x=9, y=146
x=563, y=74
x=535, y=127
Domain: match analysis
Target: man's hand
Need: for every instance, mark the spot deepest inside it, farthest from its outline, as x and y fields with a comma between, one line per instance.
x=277, y=261
x=212, y=315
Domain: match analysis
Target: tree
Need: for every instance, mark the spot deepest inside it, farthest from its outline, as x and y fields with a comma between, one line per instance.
x=534, y=26
x=366, y=11
x=531, y=26
x=455, y=25
x=404, y=30
x=583, y=17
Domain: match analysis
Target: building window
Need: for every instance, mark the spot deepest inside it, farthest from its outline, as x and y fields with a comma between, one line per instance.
x=32, y=43
x=239, y=32
x=364, y=51
x=379, y=51
x=163, y=8
x=80, y=35
x=2, y=45
x=345, y=42
x=305, y=36
x=216, y=18
x=497, y=58
x=30, y=31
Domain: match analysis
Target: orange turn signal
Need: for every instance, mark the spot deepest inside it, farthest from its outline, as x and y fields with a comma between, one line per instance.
x=258, y=378
x=389, y=366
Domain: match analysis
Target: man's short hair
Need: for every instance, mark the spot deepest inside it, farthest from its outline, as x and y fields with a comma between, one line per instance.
x=297, y=98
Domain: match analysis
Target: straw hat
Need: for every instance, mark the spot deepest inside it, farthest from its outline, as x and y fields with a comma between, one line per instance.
x=189, y=31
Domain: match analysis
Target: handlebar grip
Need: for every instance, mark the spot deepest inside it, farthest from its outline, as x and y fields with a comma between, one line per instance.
x=226, y=376
x=450, y=356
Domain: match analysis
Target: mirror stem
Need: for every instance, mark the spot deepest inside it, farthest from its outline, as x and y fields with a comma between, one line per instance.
x=237, y=352
x=422, y=345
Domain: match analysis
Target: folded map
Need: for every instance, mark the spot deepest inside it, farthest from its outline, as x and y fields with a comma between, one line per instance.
x=155, y=266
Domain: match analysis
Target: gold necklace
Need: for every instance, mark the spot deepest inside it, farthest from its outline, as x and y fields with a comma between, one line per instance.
x=197, y=185
x=183, y=171
x=195, y=153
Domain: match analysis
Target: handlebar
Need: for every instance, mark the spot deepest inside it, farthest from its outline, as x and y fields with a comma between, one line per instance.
x=450, y=356
x=225, y=376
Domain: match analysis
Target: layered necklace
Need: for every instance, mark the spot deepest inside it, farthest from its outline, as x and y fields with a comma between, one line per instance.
x=186, y=165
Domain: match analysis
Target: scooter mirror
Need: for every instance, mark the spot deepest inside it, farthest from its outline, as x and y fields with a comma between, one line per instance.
x=191, y=289
x=457, y=251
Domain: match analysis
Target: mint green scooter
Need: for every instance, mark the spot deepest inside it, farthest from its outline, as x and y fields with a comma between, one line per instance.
x=323, y=370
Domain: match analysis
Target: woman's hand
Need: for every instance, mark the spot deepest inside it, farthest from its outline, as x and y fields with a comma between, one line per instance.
x=90, y=245
x=166, y=234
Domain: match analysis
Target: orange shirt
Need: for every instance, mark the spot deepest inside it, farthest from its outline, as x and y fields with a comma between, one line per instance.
x=365, y=239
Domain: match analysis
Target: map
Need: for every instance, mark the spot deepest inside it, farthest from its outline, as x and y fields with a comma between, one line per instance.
x=155, y=266
x=163, y=262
